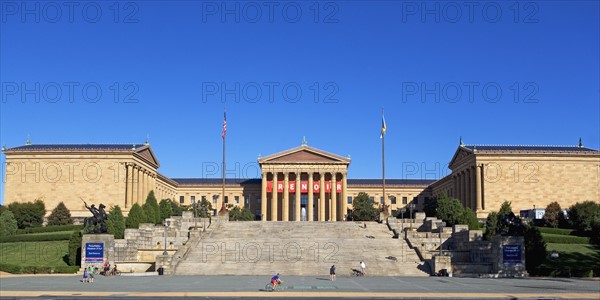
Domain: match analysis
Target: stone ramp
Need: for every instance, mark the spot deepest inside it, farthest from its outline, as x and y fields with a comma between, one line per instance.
x=299, y=248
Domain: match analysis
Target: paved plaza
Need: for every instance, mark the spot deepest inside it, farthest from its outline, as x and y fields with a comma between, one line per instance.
x=299, y=287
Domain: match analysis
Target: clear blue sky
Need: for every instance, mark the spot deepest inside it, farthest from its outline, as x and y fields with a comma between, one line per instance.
x=426, y=63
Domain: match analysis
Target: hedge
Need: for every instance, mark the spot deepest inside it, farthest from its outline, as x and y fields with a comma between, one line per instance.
x=565, y=239
x=50, y=229
x=551, y=230
x=59, y=236
x=16, y=269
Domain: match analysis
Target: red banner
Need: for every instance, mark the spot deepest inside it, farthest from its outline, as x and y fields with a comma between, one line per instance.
x=316, y=187
x=304, y=187
x=280, y=186
x=338, y=186
x=269, y=186
x=327, y=186
x=292, y=186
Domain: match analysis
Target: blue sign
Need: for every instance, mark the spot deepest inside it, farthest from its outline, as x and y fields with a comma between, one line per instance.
x=94, y=252
x=511, y=254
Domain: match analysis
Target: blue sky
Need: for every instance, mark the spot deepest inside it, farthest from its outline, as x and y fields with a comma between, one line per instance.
x=491, y=72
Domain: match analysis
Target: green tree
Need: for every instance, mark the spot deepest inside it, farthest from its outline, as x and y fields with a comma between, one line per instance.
x=151, y=209
x=553, y=216
x=8, y=224
x=28, y=214
x=470, y=218
x=450, y=211
x=583, y=215
x=431, y=204
x=60, y=215
x=166, y=210
x=74, y=256
x=363, y=208
x=135, y=217
x=116, y=222
x=177, y=210
x=491, y=226
x=240, y=214
x=535, y=249
x=2, y=209
x=204, y=208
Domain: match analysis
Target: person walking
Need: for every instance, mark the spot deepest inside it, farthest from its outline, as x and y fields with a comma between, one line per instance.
x=85, y=275
x=332, y=273
x=91, y=274
x=363, y=267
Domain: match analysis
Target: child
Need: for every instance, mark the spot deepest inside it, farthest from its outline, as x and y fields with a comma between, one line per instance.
x=91, y=274
x=85, y=275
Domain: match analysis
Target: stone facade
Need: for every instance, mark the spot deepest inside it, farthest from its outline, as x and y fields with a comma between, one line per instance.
x=482, y=178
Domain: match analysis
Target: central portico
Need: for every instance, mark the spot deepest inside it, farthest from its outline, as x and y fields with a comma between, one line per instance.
x=304, y=180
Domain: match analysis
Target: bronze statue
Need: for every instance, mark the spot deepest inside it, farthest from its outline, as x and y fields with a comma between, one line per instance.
x=97, y=223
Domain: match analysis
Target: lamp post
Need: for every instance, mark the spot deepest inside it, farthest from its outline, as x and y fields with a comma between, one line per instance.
x=166, y=223
x=441, y=226
x=402, y=211
x=411, y=207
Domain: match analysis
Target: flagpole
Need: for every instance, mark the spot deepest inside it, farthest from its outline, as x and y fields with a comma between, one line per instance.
x=383, y=157
x=223, y=209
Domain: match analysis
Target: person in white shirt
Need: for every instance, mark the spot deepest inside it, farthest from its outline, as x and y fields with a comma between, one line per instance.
x=363, y=267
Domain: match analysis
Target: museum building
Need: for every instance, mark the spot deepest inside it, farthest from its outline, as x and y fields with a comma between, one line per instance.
x=300, y=184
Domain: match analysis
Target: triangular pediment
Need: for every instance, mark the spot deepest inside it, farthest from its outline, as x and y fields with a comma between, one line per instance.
x=460, y=154
x=147, y=155
x=304, y=154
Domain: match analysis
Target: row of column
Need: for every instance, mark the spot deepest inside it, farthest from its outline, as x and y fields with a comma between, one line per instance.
x=321, y=200
x=468, y=187
x=163, y=192
x=140, y=182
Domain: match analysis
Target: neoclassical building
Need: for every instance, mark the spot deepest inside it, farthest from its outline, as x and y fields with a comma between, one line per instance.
x=302, y=183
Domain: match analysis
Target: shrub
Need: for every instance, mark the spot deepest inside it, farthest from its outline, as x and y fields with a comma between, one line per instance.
x=240, y=214
x=8, y=224
x=135, y=217
x=151, y=209
x=74, y=256
x=116, y=222
x=50, y=229
x=469, y=218
x=565, y=239
x=60, y=215
x=553, y=217
x=55, y=236
x=177, y=210
x=28, y=214
x=363, y=208
x=584, y=215
x=166, y=210
x=450, y=211
x=17, y=269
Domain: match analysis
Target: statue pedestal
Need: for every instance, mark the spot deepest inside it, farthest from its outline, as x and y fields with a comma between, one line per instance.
x=96, y=249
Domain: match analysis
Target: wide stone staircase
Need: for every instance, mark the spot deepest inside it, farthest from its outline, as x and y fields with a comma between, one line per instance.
x=298, y=248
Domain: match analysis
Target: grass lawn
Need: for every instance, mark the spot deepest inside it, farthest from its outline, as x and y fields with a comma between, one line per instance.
x=574, y=259
x=34, y=253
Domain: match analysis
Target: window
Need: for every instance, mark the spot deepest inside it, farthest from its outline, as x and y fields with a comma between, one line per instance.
x=193, y=199
x=349, y=200
x=226, y=199
x=203, y=198
x=181, y=199
x=404, y=200
x=215, y=198
x=416, y=200
x=381, y=200
x=393, y=199
x=237, y=199
x=247, y=200
x=372, y=199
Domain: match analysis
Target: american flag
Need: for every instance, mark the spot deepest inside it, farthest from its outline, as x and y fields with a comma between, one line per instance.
x=224, y=133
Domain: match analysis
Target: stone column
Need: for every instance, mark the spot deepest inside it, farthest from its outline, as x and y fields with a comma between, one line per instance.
x=263, y=197
x=333, y=211
x=136, y=185
x=298, y=197
x=129, y=184
x=464, y=187
x=344, y=196
x=274, y=198
x=468, y=188
x=310, y=203
x=153, y=183
x=322, y=197
x=285, y=207
x=477, y=189
x=455, y=186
